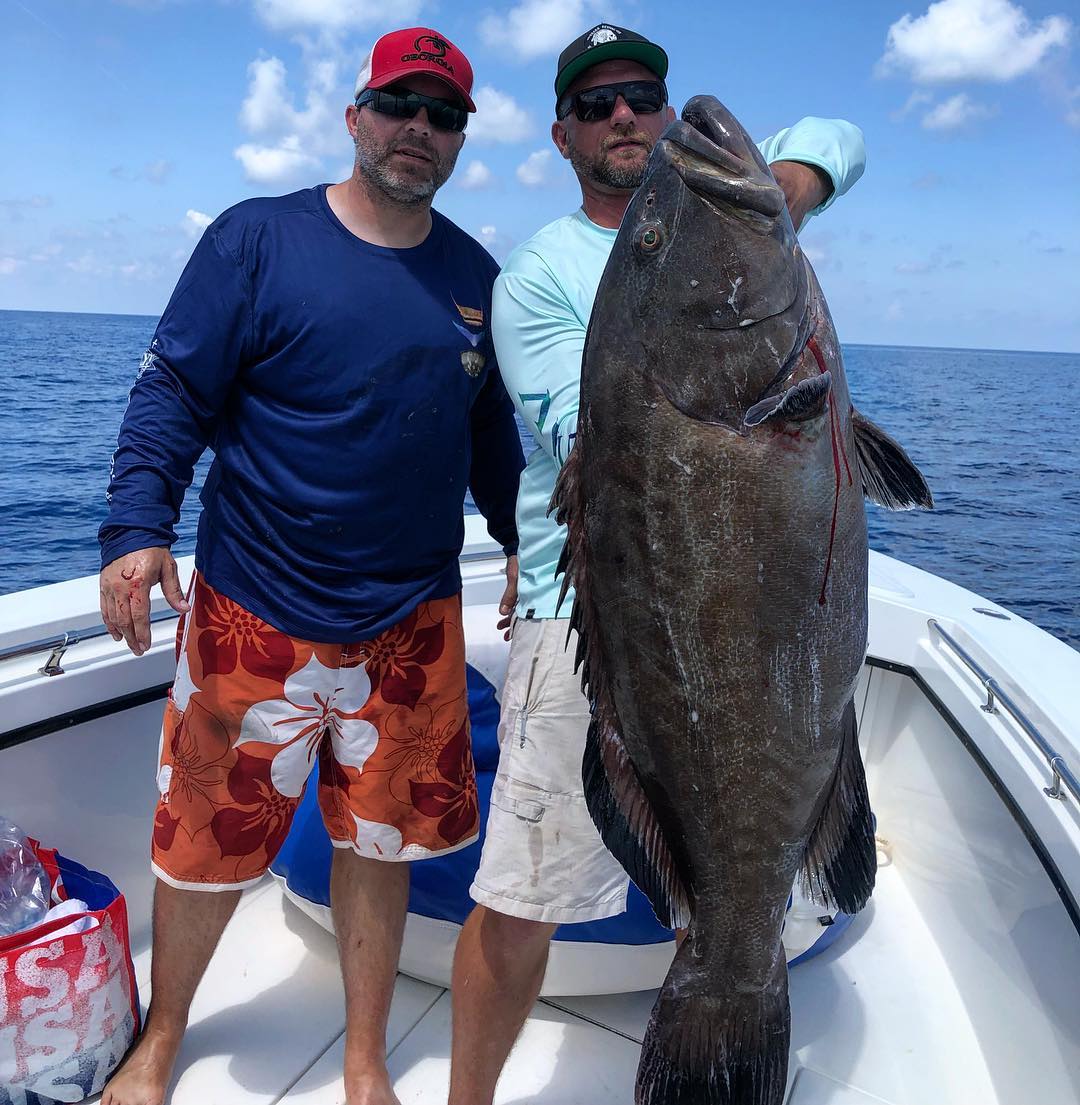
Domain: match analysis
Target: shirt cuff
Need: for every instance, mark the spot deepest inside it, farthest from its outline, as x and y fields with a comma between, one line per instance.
x=129, y=541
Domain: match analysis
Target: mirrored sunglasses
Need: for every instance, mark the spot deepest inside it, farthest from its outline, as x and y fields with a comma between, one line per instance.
x=404, y=105
x=594, y=104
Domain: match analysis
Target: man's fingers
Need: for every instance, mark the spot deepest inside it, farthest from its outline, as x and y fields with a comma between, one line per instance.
x=108, y=615
x=132, y=615
x=505, y=622
x=122, y=621
x=171, y=589
x=140, y=617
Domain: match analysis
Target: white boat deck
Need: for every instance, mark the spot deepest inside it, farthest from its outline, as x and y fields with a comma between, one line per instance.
x=267, y=1024
x=957, y=985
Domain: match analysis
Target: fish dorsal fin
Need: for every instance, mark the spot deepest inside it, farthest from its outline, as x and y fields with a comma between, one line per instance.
x=800, y=403
x=889, y=475
x=614, y=795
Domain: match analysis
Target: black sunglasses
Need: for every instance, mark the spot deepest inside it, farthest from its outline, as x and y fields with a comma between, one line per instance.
x=594, y=104
x=404, y=105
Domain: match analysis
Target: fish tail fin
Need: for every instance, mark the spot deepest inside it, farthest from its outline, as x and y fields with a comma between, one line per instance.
x=841, y=859
x=889, y=475
x=724, y=1047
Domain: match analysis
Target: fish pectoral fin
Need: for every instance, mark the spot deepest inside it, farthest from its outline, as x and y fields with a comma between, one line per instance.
x=627, y=822
x=840, y=864
x=613, y=792
x=889, y=475
x=800, y=403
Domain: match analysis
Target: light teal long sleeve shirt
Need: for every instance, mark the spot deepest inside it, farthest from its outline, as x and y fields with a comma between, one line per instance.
x=540, y=311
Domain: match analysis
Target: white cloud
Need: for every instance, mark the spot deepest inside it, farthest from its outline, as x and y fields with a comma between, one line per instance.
x=195, y=222
x=18, y=207
x=955, y=112
x=957, y=40
x=895, y=311
x=268, y=110
x=537, y=27
x=157, y=171
x=1072, y=107
x=143, y=270
x=8, y=265
x=291, y=140
x=919, y=97
x=498, y=118
x=332, y=15
x=475, y=177
x=914, y=268
x=495, y=242
x=940, y=258
x=275, y=164
x=88, y=264
x=47, y=252
x=927, y=181
x=533, y=171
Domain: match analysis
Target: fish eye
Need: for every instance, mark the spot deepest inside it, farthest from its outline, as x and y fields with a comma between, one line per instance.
x=651, y=238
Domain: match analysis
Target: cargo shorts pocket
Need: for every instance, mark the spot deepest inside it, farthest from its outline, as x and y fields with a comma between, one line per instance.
x=523, y=802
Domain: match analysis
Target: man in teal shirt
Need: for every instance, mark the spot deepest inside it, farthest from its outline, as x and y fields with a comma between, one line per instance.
x=543, y=862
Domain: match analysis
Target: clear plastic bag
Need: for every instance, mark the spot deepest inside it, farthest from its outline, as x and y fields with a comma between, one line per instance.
x=24, y=886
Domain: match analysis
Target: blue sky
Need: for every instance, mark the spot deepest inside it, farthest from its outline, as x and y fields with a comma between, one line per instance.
x=127, y=124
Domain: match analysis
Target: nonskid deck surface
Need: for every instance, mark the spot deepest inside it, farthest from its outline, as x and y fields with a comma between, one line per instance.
x=873, y=1020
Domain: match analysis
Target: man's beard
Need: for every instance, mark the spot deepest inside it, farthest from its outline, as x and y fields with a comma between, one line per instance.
x=614, y=174
x=401, y=188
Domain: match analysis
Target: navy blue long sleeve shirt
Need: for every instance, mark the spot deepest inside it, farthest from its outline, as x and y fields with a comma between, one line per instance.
x=350, y=395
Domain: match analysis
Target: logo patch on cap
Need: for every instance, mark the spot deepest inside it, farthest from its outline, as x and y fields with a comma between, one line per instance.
x=430, y=48
x=602, y=34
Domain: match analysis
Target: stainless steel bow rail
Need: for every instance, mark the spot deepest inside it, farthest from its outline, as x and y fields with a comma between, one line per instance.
x=57, y=646
x=995, y=693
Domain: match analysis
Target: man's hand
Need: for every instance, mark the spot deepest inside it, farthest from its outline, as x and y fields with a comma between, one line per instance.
x=125, y=594
x=509, y=597
x=805, y=187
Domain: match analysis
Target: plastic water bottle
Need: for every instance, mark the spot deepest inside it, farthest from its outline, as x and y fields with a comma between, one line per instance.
x=24, y=886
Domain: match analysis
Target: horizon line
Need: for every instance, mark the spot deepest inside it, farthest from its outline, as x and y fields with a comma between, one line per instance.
x=868, y=344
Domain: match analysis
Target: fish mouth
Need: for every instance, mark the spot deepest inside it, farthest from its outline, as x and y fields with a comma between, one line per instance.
x=708, y=149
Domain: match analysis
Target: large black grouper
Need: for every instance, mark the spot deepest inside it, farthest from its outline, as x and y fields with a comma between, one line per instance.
x=717, y=545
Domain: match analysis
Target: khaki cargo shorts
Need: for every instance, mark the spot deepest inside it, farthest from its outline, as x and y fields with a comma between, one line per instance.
x=543, y=859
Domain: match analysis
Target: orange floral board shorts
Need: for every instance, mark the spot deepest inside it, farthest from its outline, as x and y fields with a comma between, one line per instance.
x=253, y=708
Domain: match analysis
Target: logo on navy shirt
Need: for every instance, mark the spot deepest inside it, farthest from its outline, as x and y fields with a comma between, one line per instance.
x=472, y=360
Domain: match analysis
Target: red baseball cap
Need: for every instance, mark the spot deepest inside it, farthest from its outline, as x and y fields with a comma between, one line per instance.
x=416, y=50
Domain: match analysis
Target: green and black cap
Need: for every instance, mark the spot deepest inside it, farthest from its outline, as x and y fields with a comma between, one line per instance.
x=604, y=43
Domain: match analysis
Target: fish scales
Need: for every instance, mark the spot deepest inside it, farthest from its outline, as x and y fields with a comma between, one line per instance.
x=717, y=545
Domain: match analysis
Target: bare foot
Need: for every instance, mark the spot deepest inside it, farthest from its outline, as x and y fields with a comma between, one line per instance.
x=368, y=1085
x=143, y=1077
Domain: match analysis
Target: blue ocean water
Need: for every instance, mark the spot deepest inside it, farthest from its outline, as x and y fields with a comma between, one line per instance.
x=994, y=433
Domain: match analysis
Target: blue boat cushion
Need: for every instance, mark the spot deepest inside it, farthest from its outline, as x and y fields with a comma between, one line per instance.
x=440, y=887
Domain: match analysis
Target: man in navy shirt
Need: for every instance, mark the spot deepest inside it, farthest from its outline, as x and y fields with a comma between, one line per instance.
x=333, y=348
